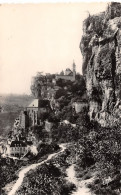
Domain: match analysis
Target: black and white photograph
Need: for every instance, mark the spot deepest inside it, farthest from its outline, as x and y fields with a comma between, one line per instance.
x=60, y=98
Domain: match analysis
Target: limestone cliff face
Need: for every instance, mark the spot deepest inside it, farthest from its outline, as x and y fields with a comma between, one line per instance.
x=101, y=49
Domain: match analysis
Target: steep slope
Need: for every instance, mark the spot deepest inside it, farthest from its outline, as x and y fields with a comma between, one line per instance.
x=101, y=49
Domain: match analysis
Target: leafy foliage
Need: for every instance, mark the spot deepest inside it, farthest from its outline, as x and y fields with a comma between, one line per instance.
x=113, y=10
x=47, y=179
x=40, y=82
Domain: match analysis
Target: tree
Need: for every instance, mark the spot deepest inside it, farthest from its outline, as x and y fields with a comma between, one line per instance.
x=38, y=132
x=59, y=93
x=79, y=86
x=38, y=82
x=44, y=116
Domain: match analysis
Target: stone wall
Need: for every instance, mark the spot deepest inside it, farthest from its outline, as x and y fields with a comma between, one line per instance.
x=80, y=106
x=66, y=77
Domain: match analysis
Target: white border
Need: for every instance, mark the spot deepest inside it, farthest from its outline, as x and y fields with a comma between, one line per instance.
x=55, y=1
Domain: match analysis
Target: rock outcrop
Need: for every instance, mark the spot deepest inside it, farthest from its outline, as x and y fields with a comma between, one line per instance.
x=101, y=50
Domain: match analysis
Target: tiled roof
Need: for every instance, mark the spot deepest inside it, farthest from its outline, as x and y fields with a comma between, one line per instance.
x=38, y=103
x=18, y=144
x=70, y=74
x=68, y=69
x=22, y=138
x=34, y=103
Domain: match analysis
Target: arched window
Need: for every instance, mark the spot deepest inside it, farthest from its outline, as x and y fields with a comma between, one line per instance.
x=93, y=115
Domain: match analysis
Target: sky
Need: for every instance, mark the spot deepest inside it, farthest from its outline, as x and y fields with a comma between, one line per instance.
x=42, y=37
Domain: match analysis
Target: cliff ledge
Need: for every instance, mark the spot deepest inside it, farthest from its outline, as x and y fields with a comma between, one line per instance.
x=101, y=50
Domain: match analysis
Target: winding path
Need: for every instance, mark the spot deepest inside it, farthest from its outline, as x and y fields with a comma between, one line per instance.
x=33, y=166
x=81, y=188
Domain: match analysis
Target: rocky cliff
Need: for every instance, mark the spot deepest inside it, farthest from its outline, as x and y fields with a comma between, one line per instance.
x=101, y=50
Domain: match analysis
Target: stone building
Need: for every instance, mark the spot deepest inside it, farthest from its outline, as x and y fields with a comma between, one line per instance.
x=24, y=120
x=18, y=148
x=35, y=109
x=69, y=74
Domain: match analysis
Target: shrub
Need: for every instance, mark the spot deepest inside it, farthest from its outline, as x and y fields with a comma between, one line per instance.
x=89, y=185
x=87, y=176
x=67, y=188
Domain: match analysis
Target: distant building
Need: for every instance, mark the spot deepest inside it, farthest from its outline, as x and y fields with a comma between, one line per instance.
x=35, y=109
x=18, y=148
x=69, y=75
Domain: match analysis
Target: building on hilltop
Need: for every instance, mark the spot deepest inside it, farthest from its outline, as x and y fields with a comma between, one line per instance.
x=69, y=74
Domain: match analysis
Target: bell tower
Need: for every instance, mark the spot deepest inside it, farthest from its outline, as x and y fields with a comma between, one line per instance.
x=74, y=70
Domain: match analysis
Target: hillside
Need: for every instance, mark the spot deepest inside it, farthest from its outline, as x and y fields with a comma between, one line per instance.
x=12, y=105
x=12, y=102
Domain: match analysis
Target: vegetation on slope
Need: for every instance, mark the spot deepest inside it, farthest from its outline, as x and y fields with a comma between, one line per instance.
x=48, y=179
x=94, y=148
x=9, y=167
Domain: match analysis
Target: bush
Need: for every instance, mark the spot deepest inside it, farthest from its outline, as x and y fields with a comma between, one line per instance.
x=87, y=176
x=67, y=188
x=89, y=185
x=96, y=181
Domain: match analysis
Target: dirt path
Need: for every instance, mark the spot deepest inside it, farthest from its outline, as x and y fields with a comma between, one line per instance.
x=81, y=188
x=25, y=170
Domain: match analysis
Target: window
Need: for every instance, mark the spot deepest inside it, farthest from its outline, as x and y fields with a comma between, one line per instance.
x=93, y=115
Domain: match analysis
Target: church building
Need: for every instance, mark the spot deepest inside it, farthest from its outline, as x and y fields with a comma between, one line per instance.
x=35, y=109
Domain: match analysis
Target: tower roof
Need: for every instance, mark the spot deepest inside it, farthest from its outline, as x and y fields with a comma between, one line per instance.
x=68, y=69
